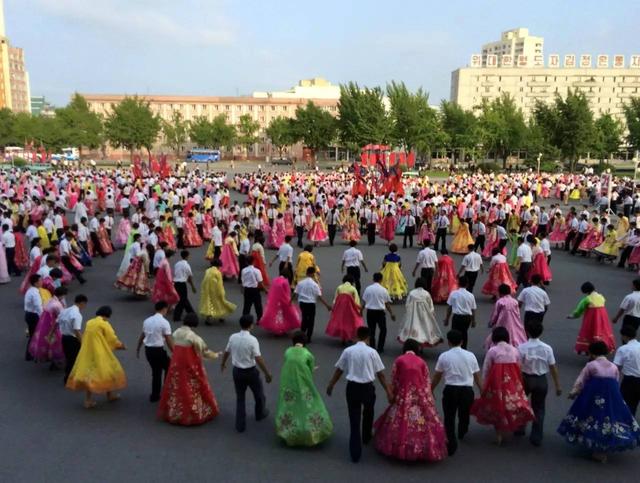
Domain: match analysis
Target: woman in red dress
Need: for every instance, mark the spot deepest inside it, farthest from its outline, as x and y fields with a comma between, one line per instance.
x=503, y=403
x=280, y=315
x=499, y=274
x=388, y=231
x=257, y=251
x=21, y=257
x=540, y=265
x=187, y=398
x=346, y=312
x=596, y=325
x=163, y=289
x=410, y=428
x=444, y=280
x=191, y=236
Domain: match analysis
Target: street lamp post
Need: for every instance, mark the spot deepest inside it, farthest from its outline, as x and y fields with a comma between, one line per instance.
x=538, y=159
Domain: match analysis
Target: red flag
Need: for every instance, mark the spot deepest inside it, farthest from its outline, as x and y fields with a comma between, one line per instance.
x=411, y=159
x=155, y=167
x=363, y=158
x=403, y=158
x=392, y=159
x=373, y=159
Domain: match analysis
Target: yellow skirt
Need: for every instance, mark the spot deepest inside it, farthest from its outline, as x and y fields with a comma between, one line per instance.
x=393, y=280
x=575, y=194
x=213, y=302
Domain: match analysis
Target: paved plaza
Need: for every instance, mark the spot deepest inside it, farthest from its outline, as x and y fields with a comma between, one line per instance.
x=46, y=434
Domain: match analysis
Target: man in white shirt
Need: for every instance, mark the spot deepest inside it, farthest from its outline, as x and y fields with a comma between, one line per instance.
x=442, y=223
x=251, y=279
x=462, y=304
x=332, y=221
x=427, y=261
x=32, y=309
x=307, y=292
x=351, y=260
x=534, y=300
x=65, y=256
x=409, y=229
x=460, y=370
x=583, y=228
x=244, y=250
x=182, y=275
x=372, y=221
x=470, y=267
x=285, y=257
x=156, y=332
x=630, y=307
x=362, y=366
x=299, y=222
x=376, y=300
x=536, y=360
x=627, y=359
x=524, y=255
x=9, y=242
x=543, y=222
x=244, y=350
x=70, y=324
x=216, y=239
x=479, y=231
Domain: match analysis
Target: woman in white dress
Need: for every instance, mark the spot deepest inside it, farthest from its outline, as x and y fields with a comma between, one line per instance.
x=420, y=319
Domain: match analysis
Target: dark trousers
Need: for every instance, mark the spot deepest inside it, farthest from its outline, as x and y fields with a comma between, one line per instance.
x=287, y=269
x=371, y=233
x=377, y=318
x=300, y=233
x=332, y=233
x=542, y=230
x=426, y=274
x=361, y=400
x=523, y=274
x=471, y=279
x=456, y=402
x=66, y=261
x=96, y=244
x=31, y=318
x=567, y=241
x=180, y=238
x=533, y=317
x=70, y=347
x=308, y=312
x=159, y=361
x=502, y=244
x=243, y=379
x=624, y=256
x=355, y=273
x=536, y=387
x=217, y=251
x=632, y=321
x=242, y=262
x=441, y=234
x=462, y=323
x=480, y=239
x=183, y=303
x=576, y=243
x=12, y=268
x=409, y=231
x=252, y=298
x=630, y=389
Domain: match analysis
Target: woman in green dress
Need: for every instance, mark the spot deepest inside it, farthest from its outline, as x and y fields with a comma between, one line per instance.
x=302, y=418
x=512, y=256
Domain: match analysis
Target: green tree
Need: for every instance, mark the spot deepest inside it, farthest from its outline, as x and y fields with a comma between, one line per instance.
x=575, y=130
x=460, y=128
x=247, y=130
x=7, y=120
x=281, y=133
x=502, y=127
x=223, y=134
x=132, y=125
x=80, y=126
x=632, y=116
x=175, y=131
x=363, y=118
x=200, y=132
x=313, y=126
x=608, y=136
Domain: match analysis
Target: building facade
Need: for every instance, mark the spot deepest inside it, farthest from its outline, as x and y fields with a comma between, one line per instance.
x=263, y=107
x=14, y=79
x=40, y=107
x=514, y=43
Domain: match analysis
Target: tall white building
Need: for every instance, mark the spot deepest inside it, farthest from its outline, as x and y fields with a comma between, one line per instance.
x=515, y=42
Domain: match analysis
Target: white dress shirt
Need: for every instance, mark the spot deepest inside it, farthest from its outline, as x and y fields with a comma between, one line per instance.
x=457, y=366
x=285, y=252
x=182, y=271
x=70, y=320
x=524, y=253
x=472, y=262
x=631, y=304
x=534, y=299
x=352, y=257
x=375, y=297
x=360, y=363
x=462, y=302
x=245, y=247
x=158, y=256
x=628, y=358
x=9, y=239
x=250, y=277
x=155, y=328
x=536, y=357
x=427, y=258
x=33, y=301
x=244, y=349
x=308, y=291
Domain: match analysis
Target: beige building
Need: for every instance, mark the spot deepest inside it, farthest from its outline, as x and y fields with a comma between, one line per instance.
x=14, y=79
x=263, y=107
x=514, y=43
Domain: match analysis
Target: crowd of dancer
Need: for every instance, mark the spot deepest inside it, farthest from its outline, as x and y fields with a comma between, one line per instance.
x=54, y=225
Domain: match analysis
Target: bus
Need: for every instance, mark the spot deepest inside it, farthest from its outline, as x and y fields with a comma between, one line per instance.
x=68, y=154
x=201, y=155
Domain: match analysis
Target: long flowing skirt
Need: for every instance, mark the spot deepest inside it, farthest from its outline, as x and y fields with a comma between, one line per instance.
x=191, y=236
x=393, y=280
x=46, y=343
x=410, y=428
x=595, y=326
x=258, y=262
x=317, y=233
x=213, y=302
x=541, y=267
x=442, y=286
x=135, y=279
x=503, y=403
x=345, y=318
x=163, y=289
x=280, y=317
x=230, y=266
x=599, y=419
x=4, y=271
x=187, y=398
x=498, y=274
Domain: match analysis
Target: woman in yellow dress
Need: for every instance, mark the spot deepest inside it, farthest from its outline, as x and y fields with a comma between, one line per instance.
x=514, y=222
x=462, y=240
x=213, y=302
x=575, y=194
x=44, y=236
x=96, y=369
x=305, y=260
x=609, y=248
x=623, y=225
x=392, y=278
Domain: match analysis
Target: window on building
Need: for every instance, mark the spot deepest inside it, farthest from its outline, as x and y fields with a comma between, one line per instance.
x=227, y=107
x=251, y=108
x=273, y=108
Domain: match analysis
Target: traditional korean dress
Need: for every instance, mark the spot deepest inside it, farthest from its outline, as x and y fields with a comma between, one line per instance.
x=595, y=323
x=213, y=302
x=420, y=321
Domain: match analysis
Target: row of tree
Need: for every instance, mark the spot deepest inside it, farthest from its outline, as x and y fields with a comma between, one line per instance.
x=565, y=129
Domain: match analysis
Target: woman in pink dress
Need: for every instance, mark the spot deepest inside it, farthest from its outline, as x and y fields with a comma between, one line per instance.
x=278, y=232
x=503, y=403
x=46, y=343
x=191, y=236
x=388, y=230
x=280, y=315
x=558, y=233
x=103, y=238
x=163, y=289
x=317, y=233
x=592, y=239
x=492, y=242
x=351, y=227
x=289, y=228
x=445, y=280
x=506, y=313
x=207, y=225
x=21, y=257
x=122, y=233
x=346, y=312
x=595, y=322
x=410, y=428
x=499, y=274
x=426, y=233
x=540, y=265
x=229, y=257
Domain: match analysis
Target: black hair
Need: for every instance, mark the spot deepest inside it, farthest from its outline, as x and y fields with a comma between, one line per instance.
x=246, y=321
x=629, y=331
x=598, y=348
x=33, y=279
x=587, y=287
x=377, y=277
x=420, y=283
x=104, y=311
x=504, y=289
x=81, y=299
x=500, y=334
x=191, y=320
x=363, y=332
x=534, y=329
x=160, y=305
x=299, y=337
x=410, y=345
x=454, y=337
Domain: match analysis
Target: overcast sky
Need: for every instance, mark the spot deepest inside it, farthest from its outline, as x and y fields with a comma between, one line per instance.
x=224, y=47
